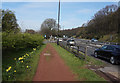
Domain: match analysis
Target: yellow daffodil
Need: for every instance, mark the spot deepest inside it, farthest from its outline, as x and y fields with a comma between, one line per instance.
x=14, y=58
x=20, y=58
x=8, y=69
x=27, y=54
x=14, y=70
x=24, y=55
x=27, y=66
x=34, y=49
x=21, y=61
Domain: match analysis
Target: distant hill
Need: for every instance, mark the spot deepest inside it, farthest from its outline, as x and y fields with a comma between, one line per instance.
x=104, y=26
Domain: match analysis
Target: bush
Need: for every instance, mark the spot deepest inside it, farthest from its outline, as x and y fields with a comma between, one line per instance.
x=20, y=40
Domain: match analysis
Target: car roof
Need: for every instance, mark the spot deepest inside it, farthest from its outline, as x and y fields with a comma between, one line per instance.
x=116, y=46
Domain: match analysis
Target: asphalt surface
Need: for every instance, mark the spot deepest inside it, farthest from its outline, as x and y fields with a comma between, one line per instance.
x=91, y=46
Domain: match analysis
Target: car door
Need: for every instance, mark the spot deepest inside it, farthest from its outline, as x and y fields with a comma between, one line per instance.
x=108, y=52
x=103, y=51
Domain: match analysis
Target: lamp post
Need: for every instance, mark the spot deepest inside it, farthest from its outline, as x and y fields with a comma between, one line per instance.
x=58, y=18
x=58, y=23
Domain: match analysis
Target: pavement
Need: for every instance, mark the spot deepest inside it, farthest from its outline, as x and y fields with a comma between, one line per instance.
x=51, y=67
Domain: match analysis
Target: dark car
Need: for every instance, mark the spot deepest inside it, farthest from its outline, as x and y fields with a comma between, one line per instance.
x=71, y=42
x=110, y=52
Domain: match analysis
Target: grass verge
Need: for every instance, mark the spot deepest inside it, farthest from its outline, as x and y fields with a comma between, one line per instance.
x=78, y=66
x=25, y=68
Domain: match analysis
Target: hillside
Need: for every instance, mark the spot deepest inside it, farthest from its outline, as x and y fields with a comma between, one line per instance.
x=104, y=26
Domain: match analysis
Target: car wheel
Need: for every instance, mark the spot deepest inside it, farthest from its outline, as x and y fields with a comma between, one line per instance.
x=112, y=60
x=95, y=54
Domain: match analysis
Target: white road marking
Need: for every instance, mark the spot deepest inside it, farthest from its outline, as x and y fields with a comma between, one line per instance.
x=46, y=54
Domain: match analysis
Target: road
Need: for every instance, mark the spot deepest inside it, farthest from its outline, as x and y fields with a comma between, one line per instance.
x=90, y=52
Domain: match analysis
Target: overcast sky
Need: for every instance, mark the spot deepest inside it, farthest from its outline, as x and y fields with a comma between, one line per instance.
x=30, y=15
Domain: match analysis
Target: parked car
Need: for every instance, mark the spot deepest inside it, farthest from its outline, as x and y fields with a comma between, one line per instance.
x=94, y=40
x=71, y=42
x=60, y=39
x=110, y=52
x=65, y=39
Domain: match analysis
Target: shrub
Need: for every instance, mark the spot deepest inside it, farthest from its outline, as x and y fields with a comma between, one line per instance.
x=20, y=40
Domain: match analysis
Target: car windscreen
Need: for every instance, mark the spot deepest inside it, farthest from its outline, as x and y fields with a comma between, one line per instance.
x=104, y=47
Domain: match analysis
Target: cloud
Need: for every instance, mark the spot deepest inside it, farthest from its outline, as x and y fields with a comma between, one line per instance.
x=85, y=11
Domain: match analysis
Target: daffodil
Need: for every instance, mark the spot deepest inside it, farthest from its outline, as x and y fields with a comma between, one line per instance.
x=20, y=58
x=15, y=71
x=34, y=49
x=21, y=61
x=9, y=68
x=24, y=55
x=27, y=66
x=27, y=54
x=14, y=58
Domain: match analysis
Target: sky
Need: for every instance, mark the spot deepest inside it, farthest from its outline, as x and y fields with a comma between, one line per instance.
x=30, y=15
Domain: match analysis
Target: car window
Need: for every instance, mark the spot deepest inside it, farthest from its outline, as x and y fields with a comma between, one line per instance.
x=104, y=47
x=110, y=48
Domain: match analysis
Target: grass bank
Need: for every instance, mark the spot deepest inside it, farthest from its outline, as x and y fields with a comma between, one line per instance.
x=78, y=66
x=20, y=65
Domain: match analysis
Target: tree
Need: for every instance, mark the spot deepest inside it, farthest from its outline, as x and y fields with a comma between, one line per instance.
x=9, y=21
x=31, y=31
x=0, y=20
x=49, y=27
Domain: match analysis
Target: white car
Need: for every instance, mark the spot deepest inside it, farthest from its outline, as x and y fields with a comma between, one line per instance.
x=94, y=40
x=60, y=39
x=71, y=42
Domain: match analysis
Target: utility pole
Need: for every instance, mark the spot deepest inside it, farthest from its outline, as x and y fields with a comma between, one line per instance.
x=58, y=18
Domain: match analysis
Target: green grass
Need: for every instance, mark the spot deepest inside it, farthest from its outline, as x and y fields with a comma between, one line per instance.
x=78, y=66
x=22, y=72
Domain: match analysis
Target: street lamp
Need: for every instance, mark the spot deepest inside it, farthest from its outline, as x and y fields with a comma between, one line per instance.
x=58, y=22
x=58, y=17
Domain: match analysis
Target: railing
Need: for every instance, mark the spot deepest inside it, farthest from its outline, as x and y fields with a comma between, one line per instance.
x=75, y=50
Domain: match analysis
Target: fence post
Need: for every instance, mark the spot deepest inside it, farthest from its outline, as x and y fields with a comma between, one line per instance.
x=72, y=49
x=85, y=52
x=69, y=48
x=78, y=50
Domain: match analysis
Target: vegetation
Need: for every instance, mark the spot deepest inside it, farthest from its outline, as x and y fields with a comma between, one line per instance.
x=11, y=41
x=20, y=51
x=21, y=65
x=9, y=21
x=78, y=66
x=49, y=27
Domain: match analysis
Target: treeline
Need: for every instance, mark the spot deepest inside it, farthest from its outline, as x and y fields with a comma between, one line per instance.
x=104, y=22
x=13, y=38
